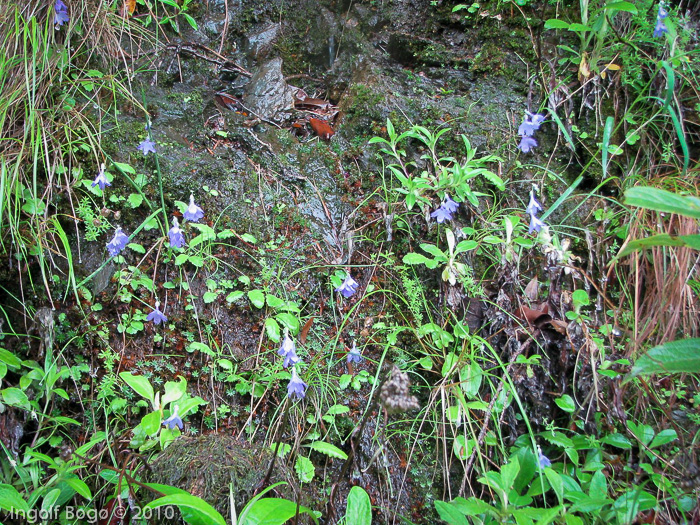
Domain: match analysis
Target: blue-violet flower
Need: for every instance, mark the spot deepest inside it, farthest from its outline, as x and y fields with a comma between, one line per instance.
x=349, y=287
x=531, y=124
x=101, y=179
x=527, y=143
x=354, y=355
x=156, y=316
x=296, y=387
x=193, y=212
x=535, y=224
x=660, y=28
x=542, y=460
x=118, y=242
x=177, y=240
x=445, y=211
x=174, y=420
x=146, y=146
x=60, y=16
x=288, y=350
x=533, y=207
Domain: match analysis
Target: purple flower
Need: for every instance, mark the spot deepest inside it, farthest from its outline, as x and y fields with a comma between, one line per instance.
x=288, y=351
x=533, y=207
x=146, y=146
x=118, y=242
x=442, y=214
x=60, y=16
x=660, y=28
x=450, y=205
x=535, y=224
x=177, y=240
x=349, y=286
x=296, y=387
x=531, y=124
x=354, y=355
x=101, y=179
x=174, y=420
x=542, y=460
x=193, y=212
x=156, y=316
x=527, y=143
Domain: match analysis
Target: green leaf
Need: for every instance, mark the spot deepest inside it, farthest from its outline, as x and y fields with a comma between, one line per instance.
x=662, y=239
x=305, y=469
x=150, y=423
x=417, y=258
x=10, y=359
x=272, y=329
x=291, y=322
x=622, y=6
x=464, y=246
x=662, y=200
x=126, y=168
x=566, y=403
x=554, y=23
x=328, y=449
x=674, y=357
x=135, y=200
x=139, y=384
x=617, y=440
x=272, y=511
x=201, y=347
x=15, y=397
x=11, y=500
x=257, y=298
x=274, y=301
x=344, y=381
x=450, y=513
x=79, y=486
x=359, y=508
x=194, y=510
x=663, y=437
x=209, y=297
x=234, y=296
x=579, y=28
x=174, y=390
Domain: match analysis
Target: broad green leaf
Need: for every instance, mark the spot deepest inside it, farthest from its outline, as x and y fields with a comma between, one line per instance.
x=663, y=437
x=139, y=384
x=554, y=23
x=209, y=297
x=234, y=296
x=450, y=513
x=15, y=397
x=662, y=200
x=257, y=298
x=272, y=329
x=10, y=359
x=681, y=356
x=509, y=472
x=305, y=469
x=359, y=508
x=201, y=347
x=174, y=390
x=622, y=6
x=150, y=423
x=289, y=321
x=10, y=499
x=328, y=449
x=79, y=486
x=566, y=403
x=662, y=239
x=272, y=511
x=417, y=258
x=274, y=301
x=194, y=510
x=135, y=200
x=617, y=440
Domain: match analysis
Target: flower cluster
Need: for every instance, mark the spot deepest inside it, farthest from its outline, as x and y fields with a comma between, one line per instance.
x=660, y=28
x=60, y=16
x=349, y=286
x=445, y=211
x=533, y=208
x=527, y=131
x=288, y=350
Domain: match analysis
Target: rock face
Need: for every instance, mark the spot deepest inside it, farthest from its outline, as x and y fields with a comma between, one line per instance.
x=268, y=94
